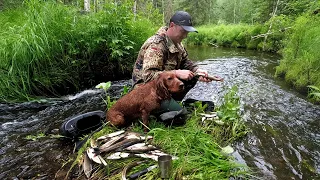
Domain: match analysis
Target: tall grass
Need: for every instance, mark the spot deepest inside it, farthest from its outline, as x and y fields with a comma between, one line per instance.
x=244, y=35
x=236, y=36
x=53, y=49
x=301, y=63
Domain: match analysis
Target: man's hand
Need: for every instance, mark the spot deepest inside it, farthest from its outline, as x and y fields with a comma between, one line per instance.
x=184, y=74
x=205, y=77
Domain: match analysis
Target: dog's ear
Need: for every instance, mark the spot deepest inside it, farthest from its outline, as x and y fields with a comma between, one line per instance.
x=162, y=90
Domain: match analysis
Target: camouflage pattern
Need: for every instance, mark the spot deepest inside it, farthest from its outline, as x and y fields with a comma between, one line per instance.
x=159, y=54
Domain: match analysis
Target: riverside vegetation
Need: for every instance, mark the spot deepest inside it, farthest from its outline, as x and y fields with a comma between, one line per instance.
x=51, y=49
x=298, y=45
x=47, y=48
x=198, y=146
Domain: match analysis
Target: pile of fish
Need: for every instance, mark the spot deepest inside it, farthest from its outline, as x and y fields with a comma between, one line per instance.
x=119, y=145
x=210, y=118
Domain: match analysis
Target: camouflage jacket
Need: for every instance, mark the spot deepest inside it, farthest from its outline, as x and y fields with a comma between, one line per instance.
x=158, y=54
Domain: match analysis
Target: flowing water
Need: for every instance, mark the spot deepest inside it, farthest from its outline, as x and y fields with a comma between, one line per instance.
x=284, y=142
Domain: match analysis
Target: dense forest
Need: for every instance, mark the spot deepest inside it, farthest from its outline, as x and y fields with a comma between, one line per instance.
x=48, y=48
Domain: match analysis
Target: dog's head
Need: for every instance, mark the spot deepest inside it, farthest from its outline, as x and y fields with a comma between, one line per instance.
x=168, y=81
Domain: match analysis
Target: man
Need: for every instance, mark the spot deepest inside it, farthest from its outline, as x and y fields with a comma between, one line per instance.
x=165, y=52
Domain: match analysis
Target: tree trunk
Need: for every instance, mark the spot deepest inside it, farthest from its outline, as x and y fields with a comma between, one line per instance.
x=269, y=31
x=167, y=10
x=87, y=5
x=163, y=17
x=135, y=9
x=234, y=12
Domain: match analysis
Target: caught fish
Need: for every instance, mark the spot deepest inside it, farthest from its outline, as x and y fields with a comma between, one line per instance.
x=95, y=156
x=117, y=133
x=140, y=148
x=148, y=156
x=119, y=146
x=93, y=143
x=160, y=153
x=119, y=155
x=154, y=155
x=112, y=141
x=87, y=166
x=219, y=122
x=203, y=119
x=134, y=135
x=209, y=115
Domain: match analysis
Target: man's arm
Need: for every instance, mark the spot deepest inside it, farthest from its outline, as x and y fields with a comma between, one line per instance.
x=153, y=62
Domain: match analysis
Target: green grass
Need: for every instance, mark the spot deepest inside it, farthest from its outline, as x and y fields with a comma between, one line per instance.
x=48, y=47
x=197, y=146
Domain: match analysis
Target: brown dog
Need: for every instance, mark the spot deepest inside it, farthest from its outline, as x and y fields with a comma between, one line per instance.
x=141, y=101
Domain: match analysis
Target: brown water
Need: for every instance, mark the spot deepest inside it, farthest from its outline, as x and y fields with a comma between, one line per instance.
x=284, y=143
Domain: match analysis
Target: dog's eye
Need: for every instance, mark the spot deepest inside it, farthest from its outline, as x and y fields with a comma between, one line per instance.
x=170, y=78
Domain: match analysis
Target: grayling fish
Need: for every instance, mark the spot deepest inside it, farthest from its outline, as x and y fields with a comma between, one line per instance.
x=119, y=155
x=87, y=166
x=92, y=154
x=150, y=155
x=140, y=148
x=117, y=133
x=134, y=135
x=93, y=143
x=120, y=145
x=112, y=141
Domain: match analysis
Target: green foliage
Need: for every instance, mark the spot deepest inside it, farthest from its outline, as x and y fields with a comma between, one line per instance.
x=35, y=137
x=108, y=100
x=229, y=110
x=51, y=46
x=146, y=9
x=237, y=35
x=198, y=147
x=41, y=135
x=10, y=4
x=233, y=126
x=314, y=93
x=301, y=62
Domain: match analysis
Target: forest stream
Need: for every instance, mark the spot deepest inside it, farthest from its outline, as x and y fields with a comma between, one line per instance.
x=284, y=142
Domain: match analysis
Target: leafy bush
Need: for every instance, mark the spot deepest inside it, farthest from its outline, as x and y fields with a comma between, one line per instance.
x=301, y=62
x=314, y=93
x=239, y=36
x=55, y=49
